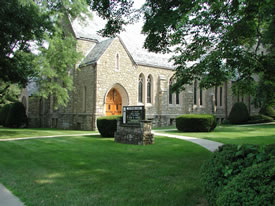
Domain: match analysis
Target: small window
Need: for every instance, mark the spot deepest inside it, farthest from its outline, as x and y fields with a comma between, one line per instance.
x=195, y=92
x=149, y=89
x=117, y=62
x=170, y=92
x=221, y=97
x=140, y=88
x=201, y=96
x=84, y=100
x=216, y=96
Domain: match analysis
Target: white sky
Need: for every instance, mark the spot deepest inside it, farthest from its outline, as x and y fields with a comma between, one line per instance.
x=132, y=37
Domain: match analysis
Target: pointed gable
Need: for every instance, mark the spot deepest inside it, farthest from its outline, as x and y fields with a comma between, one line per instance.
x=99, y=50
x=96, y=52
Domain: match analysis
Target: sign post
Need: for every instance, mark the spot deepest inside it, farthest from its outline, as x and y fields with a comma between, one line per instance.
x=133, y=114
x=134, y=129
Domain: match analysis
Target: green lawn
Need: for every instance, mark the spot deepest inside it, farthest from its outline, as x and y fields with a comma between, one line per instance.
x=90, y=170
x=232, y=134
x=6, y=133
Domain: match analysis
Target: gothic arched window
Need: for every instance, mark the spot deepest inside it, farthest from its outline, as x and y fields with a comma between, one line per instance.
x=195, y=92
x=201, y=96
x=149, y=89
x=170, y=92
x=84, y=100
x=140, y=88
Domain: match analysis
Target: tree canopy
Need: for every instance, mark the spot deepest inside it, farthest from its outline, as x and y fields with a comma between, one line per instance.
x=212, y=40
x=39, y=23
x=21, y=22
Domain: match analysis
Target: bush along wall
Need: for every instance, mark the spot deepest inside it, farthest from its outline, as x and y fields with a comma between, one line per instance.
x=107, y=125
x=17, y=116
x=4, y=112
x=255, y=119
x=268, y=111
x=239, y=113
x=196, y=122
x=228, y=165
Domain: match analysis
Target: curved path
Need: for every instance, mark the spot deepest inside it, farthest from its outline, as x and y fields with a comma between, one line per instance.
x=208, y=144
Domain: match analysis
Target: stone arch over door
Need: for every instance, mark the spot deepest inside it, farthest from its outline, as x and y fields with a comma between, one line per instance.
x=115, y=98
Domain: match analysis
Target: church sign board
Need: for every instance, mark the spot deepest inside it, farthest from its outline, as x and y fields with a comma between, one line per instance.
x=133, y=114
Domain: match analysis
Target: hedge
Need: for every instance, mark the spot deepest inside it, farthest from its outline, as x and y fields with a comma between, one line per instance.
x=196, y=122
x=253, y=186
x=268, y=111
x=4, y=112
x=227, y=162
x=17, y=116
x=238, y=114
x=255, y=119
x=107, y=125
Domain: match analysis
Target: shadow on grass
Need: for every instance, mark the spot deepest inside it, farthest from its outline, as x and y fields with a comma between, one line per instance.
x=259, y=140
x=85, y=171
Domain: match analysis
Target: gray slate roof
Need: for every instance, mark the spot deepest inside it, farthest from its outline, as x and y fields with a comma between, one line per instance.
x=132, y=40
x=97, y=52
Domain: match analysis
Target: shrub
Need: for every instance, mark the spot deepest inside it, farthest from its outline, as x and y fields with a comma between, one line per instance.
x=268, y=111
x=259, y=119
x=196, y=123
x=17, y=116
x=214, y=125
x=227, y=162
x=253, y=186
x=107, y=125
x=238, y=114
x=4, y=112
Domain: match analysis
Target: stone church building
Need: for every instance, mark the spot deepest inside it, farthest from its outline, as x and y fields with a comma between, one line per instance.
x=112, y=76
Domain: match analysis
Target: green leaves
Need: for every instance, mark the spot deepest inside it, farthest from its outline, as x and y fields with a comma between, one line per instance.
x=54, y=66
x=21, y=22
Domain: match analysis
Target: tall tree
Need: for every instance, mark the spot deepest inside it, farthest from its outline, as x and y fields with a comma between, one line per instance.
x=57, y=59
x=21, y=22
x=213, y=40
x=25, y=23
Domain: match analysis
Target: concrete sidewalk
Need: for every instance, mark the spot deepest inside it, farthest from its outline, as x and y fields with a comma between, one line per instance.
x=208, y=144
x=52, y=136
x=7, y=198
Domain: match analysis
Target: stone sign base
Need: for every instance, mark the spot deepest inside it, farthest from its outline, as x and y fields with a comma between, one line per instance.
x=139, y=134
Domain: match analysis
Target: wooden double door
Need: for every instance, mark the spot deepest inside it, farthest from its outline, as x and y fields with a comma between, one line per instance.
x=113, y=103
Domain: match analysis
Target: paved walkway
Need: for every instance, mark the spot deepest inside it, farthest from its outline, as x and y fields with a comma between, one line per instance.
x=8, y=199
x=208, y=144
x=41, y=137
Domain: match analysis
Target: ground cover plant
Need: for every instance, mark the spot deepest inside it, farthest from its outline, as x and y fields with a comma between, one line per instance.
x=97, y=171
x=240, y=175
x=260, y=178
x=7, y=133
x=233, y=134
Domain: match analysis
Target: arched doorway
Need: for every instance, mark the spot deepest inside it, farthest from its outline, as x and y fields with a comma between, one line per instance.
x=113, y=103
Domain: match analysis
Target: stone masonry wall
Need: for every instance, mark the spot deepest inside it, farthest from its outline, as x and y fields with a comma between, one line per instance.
x=134, y=134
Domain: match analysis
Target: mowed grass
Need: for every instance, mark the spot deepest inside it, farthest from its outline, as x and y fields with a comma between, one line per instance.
x=233, y=134
x=6, y=133
x=90, y=170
